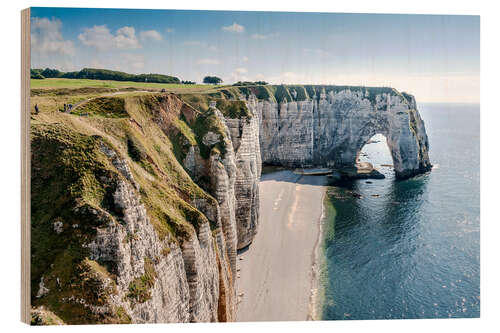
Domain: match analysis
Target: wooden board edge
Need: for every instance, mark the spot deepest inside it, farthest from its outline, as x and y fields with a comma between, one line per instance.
x=25, y=167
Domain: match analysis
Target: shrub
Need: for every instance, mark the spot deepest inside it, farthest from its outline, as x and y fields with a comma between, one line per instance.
x=212, y=80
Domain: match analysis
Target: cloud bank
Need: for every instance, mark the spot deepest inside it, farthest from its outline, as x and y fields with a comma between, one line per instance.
x=46, y=37
x=235, y=27
x=100, y=37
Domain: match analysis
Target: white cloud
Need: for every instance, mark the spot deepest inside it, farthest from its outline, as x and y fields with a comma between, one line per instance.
x=245, y=59
x=170, y=30
x=235, y=27
x=46, y=37
x=151, y=35
x=241, y=70
x=265, y=36
x=125, y=38
x=207, y=61
x=101, y=38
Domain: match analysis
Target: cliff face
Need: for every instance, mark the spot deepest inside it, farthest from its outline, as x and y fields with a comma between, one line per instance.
x=245, y=140
x=330, y=130
x=139, y=208
x=121, y=233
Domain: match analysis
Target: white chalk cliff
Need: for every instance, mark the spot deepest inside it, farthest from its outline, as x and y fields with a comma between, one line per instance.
x=141, y=277
x=331, y=130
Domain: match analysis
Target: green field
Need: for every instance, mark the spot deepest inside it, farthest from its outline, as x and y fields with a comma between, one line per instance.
x=81, y=83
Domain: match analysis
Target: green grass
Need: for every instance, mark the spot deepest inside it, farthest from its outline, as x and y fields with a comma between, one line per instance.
x=67, y=184
x=282, y=94
x=140, y=288
x=209, y=122
x=233, y=109
x=279, y=93
x=84, y=83
x=108, y=107
x=152, y=132
x=260, y=91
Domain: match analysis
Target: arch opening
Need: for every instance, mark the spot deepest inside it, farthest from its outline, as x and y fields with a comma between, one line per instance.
x=375, y=155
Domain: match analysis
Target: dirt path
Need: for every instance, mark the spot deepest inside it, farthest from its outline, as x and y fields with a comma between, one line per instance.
x=76, y=105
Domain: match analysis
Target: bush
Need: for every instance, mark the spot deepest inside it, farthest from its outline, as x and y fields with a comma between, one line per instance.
x=250, y=83
x=212, y=80
x=36, y=74
x=47, y=72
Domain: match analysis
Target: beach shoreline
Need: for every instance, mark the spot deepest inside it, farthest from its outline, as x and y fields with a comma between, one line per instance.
x=278, y=274
x=317, y=256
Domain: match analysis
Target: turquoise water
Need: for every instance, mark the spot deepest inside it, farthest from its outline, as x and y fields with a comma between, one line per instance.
x=409, y=249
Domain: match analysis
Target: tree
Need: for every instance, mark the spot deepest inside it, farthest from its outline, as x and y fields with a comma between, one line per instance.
x=102, y=74
x=36, y=74
x=47, y=72
x=212, y=80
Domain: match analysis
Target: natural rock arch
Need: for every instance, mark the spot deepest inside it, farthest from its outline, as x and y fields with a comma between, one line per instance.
x=330, y=131
x=406, y=140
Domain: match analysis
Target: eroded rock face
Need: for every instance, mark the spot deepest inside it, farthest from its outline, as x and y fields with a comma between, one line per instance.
x=245, y=140
x=193, y=278
x=187, y=277
x=331, y=130
x=127, y=246
x=234, y=178
x=328, y=131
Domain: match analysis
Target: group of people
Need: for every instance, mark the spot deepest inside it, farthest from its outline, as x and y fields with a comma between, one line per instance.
x=67, y=108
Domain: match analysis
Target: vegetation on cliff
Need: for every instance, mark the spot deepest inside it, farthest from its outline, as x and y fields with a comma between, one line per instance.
x=73, y=181
x=66, y=188
x=73, y=184
x=102, y=74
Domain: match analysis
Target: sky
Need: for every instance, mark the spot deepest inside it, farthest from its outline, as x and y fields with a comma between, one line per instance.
x=434, y=57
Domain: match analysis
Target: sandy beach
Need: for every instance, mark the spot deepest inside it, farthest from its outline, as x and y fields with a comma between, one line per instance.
x=275, y=271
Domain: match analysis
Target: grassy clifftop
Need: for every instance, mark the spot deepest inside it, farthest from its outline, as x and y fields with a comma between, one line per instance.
x=273, y=93
x=72, y=179
x=290, y=93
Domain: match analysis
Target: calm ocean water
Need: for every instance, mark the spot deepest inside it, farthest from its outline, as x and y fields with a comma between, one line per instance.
x=409, y=249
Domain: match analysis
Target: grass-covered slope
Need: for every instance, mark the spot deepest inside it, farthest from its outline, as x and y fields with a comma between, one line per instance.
x=72, y=179
x=290, y=93
x=65, y=188
x=63, y=83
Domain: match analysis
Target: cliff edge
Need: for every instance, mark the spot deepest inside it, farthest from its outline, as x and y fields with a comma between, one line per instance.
x=140, y=201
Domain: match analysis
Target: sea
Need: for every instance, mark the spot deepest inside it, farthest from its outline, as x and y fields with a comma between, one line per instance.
x=408, y=249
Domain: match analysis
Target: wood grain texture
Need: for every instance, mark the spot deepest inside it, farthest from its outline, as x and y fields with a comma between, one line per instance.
x=25, y=166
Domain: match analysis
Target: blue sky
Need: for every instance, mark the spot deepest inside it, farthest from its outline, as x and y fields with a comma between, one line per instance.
x=435, y=57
